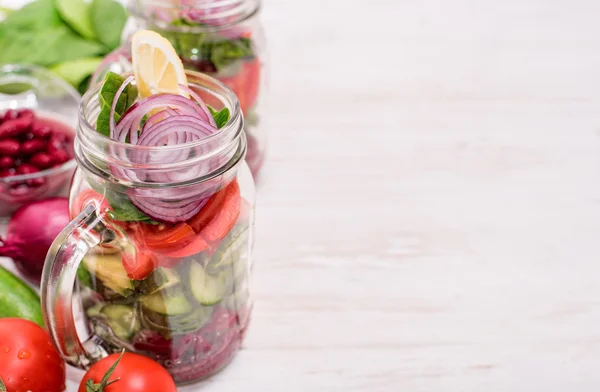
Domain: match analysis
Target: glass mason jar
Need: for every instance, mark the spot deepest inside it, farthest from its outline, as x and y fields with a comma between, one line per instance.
x=175, y=292
x=221, y=38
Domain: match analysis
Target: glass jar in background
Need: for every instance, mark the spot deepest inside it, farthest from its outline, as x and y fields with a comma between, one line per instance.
x=221, y=38
x=175, y=290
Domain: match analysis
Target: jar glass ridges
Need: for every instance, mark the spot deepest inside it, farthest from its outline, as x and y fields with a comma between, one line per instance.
x=189, y=311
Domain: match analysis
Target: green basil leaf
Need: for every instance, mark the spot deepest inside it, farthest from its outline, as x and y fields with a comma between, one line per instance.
x=76, y=13
x=112, y=83
x=221, y=117
x=108, y=20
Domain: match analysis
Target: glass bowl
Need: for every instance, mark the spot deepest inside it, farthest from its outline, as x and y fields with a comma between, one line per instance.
x=50, y=98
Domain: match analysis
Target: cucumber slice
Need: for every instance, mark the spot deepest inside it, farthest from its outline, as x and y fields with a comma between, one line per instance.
x=177, y=325
x=207, y=289
x=168, y=302
x=122, y=320
x=110, y=271
x=160, y=279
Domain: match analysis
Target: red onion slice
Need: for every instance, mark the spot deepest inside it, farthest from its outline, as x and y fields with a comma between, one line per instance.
x=207, y=114
x=176, y=120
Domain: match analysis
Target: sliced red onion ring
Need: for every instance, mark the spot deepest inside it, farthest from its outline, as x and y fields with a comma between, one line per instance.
x=207, y=114
x=175, y=120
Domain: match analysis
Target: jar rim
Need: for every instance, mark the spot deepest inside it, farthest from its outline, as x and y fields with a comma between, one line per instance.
x=96, y=146
x=234, y=125
x=209, y=14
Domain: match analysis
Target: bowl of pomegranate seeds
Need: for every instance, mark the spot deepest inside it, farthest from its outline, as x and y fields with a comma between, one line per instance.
x=38, y=114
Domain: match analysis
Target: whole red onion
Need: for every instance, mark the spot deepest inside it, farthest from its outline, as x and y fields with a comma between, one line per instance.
x=31, y=230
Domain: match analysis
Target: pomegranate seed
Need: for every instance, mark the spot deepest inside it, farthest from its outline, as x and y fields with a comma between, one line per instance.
x=26, y=169
x=6, y=162
x=32, y=146
x=12, y=128
x=5, y=173
x=10, y=114
x=9, y=147
x=25, y=113
x=55, y=144
x=59, y=156
x=41, y=160
x=41, y=131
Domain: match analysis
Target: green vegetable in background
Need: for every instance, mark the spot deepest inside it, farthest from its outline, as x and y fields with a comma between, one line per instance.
x=77, y=14
x=209, y=47
x=35, y=16
x=62, y=34
x=17, y=299
x=76, y=72
x=108, y=19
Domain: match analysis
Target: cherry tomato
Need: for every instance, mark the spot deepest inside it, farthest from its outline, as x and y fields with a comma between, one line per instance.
x=135, y=373
x=25, y=350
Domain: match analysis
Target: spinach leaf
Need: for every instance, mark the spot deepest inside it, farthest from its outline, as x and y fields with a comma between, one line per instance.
x=108, y=20
x=112, y=83
x=76, y=13
x=54, y=45
x=221, y=117
x=76, y=71
x=124, y=210
x=197, y=48
x=225, y=52
x=35, y=16
x=128, y=214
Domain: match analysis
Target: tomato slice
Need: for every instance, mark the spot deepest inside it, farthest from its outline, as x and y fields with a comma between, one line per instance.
x=197, y=245
x=208, y=211
x=246, y=83
x=161, y=237
x=138, y=264
x=226, y=215
x=86, y=197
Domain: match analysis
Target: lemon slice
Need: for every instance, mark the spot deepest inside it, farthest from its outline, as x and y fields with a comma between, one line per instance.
x=156, y=66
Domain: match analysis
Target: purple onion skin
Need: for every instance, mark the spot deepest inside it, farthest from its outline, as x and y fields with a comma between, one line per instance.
x=31, y=230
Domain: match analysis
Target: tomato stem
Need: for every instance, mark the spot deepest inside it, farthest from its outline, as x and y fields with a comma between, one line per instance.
x=2, y=386
x=91, y=387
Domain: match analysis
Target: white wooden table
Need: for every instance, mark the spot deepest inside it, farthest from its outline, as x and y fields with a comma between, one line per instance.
x=429, y=216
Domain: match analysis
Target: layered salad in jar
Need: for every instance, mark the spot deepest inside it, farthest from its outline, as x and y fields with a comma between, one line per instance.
x=173, y=281
x=216, y=37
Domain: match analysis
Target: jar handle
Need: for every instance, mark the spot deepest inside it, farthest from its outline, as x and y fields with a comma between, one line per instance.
x=58, y=279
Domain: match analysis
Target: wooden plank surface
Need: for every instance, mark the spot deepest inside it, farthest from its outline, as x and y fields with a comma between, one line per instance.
x=429, y=215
